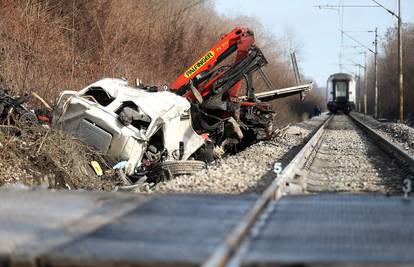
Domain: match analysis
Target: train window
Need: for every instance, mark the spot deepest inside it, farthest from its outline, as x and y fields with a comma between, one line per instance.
x=340, y=89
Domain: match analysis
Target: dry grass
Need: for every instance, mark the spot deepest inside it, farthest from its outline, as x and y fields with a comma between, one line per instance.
x=38, y=156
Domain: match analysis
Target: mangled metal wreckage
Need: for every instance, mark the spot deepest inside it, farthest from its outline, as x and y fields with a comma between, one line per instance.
x=153, y=131
x=176, y=128
x=131, y=124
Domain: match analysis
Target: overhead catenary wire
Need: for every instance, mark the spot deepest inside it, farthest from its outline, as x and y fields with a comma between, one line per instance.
x=356, y=41
x=400, y=48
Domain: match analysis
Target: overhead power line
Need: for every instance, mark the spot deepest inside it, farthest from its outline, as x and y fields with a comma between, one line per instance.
x=335, y=6
x=388, y=10
x=356, y=41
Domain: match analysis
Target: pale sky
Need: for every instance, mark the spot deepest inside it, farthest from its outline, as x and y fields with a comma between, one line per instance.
x=318, y=29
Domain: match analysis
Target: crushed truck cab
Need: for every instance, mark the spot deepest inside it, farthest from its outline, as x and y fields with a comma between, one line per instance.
x=129, y=124
x=149, y=128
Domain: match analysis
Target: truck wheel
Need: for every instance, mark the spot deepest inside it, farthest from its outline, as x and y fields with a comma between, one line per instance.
x=206, y=153
x=167, y=170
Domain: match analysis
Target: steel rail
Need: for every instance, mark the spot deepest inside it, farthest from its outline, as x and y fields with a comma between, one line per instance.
x=387, y=145
x=227, y=249
x=223, y=253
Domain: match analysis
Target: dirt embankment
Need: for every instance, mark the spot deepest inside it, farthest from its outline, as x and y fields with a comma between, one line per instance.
x=39, y=156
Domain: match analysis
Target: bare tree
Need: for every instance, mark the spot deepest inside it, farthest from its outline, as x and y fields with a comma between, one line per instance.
x=50, y=45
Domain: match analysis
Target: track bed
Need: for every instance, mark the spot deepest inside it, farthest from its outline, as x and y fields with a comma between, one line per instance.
x=277, y=228
x=347, y=160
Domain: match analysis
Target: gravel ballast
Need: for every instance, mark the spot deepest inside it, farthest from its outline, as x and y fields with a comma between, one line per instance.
x=247, y=171
x=398, y=133
x=347, y=160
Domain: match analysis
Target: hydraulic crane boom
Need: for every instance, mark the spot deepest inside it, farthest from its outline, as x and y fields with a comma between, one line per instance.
x=239, y=39
x=214, y=91
x=219, y=87
x=205, y=81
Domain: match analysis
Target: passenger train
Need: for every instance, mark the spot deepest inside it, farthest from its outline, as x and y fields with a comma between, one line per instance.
x=341, y=93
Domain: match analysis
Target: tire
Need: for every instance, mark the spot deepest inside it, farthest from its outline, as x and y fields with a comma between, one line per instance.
x=206, y=153
x=168, y=169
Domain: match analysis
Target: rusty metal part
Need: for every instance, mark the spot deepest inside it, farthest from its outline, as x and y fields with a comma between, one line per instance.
x=229, y=246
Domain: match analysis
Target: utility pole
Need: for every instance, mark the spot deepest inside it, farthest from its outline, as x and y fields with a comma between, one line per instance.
x=375, y=52
x=360, y=94
x=295, y=68
x=359, y=90
x=400, y=63
x=376, y=73
x=365, y=84
x=400, y=49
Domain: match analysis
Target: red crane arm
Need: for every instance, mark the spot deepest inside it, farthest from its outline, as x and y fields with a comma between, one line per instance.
x=239, y=39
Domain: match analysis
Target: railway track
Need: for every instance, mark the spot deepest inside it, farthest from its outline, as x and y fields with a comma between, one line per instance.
x=347, y=160
x=343, y=155
x=290, y=223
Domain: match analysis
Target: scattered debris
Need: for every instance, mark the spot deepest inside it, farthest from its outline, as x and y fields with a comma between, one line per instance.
x=13, y=110
x=34, y=154
x=48, y=157
x=121, y=165
x=96, y=167
x=141, y=130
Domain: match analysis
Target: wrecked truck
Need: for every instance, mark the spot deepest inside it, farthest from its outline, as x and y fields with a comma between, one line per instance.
x=152, y=131
x=174, y=129
x=132, y=124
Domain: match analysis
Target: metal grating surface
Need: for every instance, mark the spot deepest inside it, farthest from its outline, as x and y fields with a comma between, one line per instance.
x=34, y=222
x=66, y=228
x=174, y=230
x=335, y=229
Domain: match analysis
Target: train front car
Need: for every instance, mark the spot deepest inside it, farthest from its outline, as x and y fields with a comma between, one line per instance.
x=340, y=93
